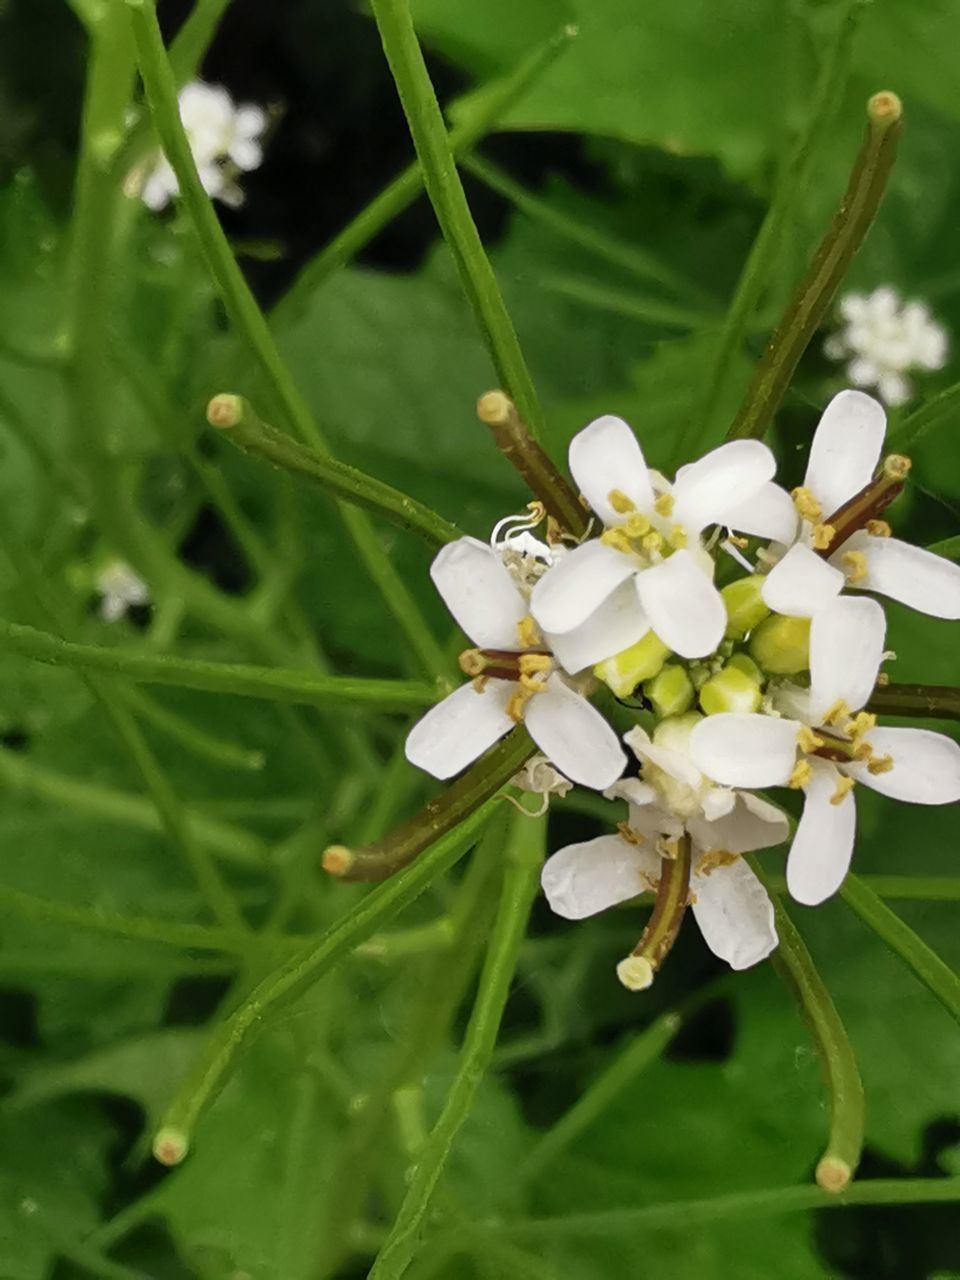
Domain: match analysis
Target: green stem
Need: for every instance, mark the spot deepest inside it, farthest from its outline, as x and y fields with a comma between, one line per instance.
x=796, y=969
x=277, y=684
x=827, y=269
x=440, y=177
x=298, y=974
x=936, y=976
x=922, y=701
x=405, y=188
x=929, y=416
x=685, y=1215
x=901, y=888
x=948, y=547
x=218, y=751
x=649, y=311
x=521, y=881
x=248, y=320
x=241, y=426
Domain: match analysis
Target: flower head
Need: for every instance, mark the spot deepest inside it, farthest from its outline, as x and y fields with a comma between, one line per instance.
x=882, y=338
x=120, y=588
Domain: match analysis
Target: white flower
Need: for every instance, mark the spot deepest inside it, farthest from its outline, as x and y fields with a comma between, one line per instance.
x=826, y=748
x=648, y=571
x=540, y=778
x=224, y=139
x=487, y=592
x=729, y=903
x=120, y=588
x=843, y=458
x=883, y=338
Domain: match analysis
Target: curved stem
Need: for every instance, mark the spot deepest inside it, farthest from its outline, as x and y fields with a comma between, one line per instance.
x=927, y=418
x=921, y=701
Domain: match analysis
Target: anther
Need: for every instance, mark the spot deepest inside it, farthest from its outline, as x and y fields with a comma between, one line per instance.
x=822, y=535
x=844, y=787
x=878, y=528
x=652, y=541
x=516, y=705
x=838, y=714
x=862, y=723
x=530, y=664
x=714, y=858
x=664, y=504
x=636, y=525
x=806, y=504
x=528, y=633
x=855, y=565
x=677, y=537
x=802, y=773
x=627, y=833
x=880, y=764
x=617, y=539
x=808, y=741
x=620, y=502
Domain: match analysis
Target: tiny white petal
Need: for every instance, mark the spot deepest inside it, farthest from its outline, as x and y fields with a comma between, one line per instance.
x=735, y=914
x=479, y=592
x=862, y=371
x=633, y=791
x=606, y=456
x=846, y=648
x=582, y=879
x=768, y=513
x=743, y=750
x=894, y=388
x=926, y=766
x=574, y=736
x=459, y=729
x=801, y=583
x=250, y=121
x=615, y=625
x=568, y=594
x=916, y=577
x=246, y=154
x=724, y=478
x=846, y=448
x=753, y=823
x=683, y=606
x=823, y=845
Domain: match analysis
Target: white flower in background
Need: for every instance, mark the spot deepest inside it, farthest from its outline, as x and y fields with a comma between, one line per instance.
x=729, y=903
x=517, y=680
x=648, y=571
x=844, y=455
x=225, y=139
x=120, y=588
x=823, y=747
x=883, y=338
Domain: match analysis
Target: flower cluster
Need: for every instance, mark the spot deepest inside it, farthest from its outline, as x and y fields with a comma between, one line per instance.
x=225, y=140
x=762, y=682
x=883, y=338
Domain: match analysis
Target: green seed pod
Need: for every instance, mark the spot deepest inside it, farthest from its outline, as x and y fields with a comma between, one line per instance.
x=625, y=670
x=671, y=692
x=730, y=690
x=781, y=646
x=745, y=606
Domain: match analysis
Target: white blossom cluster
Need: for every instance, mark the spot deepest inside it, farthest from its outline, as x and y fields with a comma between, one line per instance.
x=761, y=684
x=225, y=141
x=883, y=338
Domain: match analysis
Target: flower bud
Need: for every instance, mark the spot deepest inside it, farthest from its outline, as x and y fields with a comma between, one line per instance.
x=671, y=691
x=781, y=645
x=745, y=605
x=730, y=690
x=625, y=670
x=743, y=662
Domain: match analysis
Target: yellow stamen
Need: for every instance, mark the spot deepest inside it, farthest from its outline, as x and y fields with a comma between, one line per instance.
x=627, y=832
x=878, y=528
x=516, y=705
x=838, y=714
x=880, y=764
x=670, y=849
x=530, y=663
x=617, y=539
x=822, y=535
x=862, y=723
x=807, y=740
x=801, y=775
x=737, y=541
x=806, y=504
x=862, y=751
x=528, y=633
x=714, y=858
x=480, y=683
x=677, y=537
x=636, y=526
x=472, y=662
x=844, y=785
x=652, y=541
x=620, y=502
x=854, y=565
x=882, y=679
x=664, y=504
x=533, y=684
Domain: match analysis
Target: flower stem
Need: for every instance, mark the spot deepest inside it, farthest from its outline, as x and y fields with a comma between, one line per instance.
x=445, y=190
x=902, y=888
x=532, y=463
x=935, y=975
x=282, y=986
x=525, y=849
x=161, y=88
x=404, y=189
x=637, y=971
x=929, y=416
x=384, y=858
x=277, y=684
x=827, y=269
x=922, y=701
x=235, y=417
x=947, y=547
x=798, y=973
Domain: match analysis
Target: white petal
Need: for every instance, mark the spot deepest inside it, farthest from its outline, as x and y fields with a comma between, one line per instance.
x=618, y=623
x=246, y=154
x=479, y=592
x=823, y=846
x=739, y=750
x=605, y=456
x=846, y=448
x=583, y=879
x=632, y=790
x=926, y=766
x=753, y=823
x=846, y=647
x=721, y=479
x=574, y=736
x=459, y=729
x=894, y=388
x=569, y=593
x=735, y=914
x=916, y=577
x=676, y=764
x=801, y=583
x=249, y=121
x=768, y=513
x=683, y=606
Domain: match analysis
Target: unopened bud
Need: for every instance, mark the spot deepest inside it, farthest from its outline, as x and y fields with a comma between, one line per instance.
x=625, y=670
x=670, y=691
x=730, y=690
x=745, y=605
x=781, y=646
x=743, y=662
